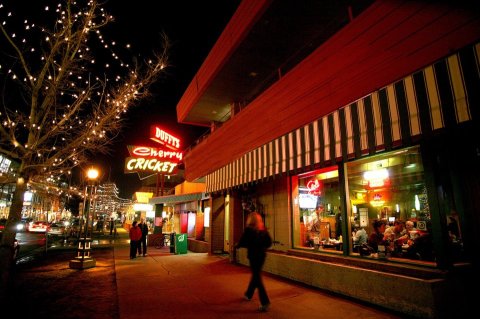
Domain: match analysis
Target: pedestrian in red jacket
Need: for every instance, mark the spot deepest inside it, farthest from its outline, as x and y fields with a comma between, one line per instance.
x=135, y=236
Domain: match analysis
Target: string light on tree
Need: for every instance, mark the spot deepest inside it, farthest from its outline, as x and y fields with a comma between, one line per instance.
x=66, y=87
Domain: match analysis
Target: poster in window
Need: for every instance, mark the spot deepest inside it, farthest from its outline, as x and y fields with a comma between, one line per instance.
x=363, y=212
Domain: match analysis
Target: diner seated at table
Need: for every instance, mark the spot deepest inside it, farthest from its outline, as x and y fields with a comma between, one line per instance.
x=377, y=236
x=396, y=236
x=396, y=232
x=421, y=247
x=411, y=230
x=359, y=237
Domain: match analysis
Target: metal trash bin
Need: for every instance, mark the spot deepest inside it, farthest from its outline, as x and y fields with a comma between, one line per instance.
x=181, y=244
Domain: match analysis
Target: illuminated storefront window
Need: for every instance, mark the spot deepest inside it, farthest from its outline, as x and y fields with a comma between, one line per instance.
x=4, y=164
x=389, y=189
x=317, y=211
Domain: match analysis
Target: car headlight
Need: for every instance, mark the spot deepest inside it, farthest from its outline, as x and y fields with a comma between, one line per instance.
x=20, y=226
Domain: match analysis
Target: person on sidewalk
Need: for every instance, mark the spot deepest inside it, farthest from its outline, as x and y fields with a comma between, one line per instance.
x=142, y=245
x=113, y=229
x=135, y=235
x=256, y=239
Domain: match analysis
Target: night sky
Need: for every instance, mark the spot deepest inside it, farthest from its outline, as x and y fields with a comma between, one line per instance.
x=192, y=28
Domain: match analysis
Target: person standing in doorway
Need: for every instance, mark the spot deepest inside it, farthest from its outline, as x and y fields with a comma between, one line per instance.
x=256, y=239
x=142, y=245
x=135, y=235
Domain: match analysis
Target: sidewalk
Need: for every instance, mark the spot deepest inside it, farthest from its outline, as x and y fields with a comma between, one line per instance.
x=196, y=285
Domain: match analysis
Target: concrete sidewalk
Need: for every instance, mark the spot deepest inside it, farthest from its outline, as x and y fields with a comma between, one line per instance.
x=196, y=285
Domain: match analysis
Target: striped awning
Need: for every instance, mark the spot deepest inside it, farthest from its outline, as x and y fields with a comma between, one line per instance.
x=438, y=96
x=172, y=199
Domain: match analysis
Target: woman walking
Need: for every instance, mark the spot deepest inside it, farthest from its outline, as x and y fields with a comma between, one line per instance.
x=256, y=239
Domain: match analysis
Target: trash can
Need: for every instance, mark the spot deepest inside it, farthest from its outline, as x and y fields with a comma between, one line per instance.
x=180, y=244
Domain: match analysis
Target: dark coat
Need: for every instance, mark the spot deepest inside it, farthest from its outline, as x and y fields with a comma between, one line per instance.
x=144, y=229
x=256, y=242
x=375, y=239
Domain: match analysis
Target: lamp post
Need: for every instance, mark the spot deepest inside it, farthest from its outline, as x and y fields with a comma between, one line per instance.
x=84, y=259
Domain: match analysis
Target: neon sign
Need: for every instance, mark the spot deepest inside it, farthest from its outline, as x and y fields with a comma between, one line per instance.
x=377, y=200
x=314, y=187
x=155, y=160
x=162, y=137
x=377, y=178
x=152, y=152
x=135, y=164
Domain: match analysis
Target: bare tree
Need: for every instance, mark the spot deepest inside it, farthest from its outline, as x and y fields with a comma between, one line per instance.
x=62, y=99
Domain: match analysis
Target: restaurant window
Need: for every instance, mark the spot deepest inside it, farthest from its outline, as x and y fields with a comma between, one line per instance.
x=388, y=191
x=317, y=211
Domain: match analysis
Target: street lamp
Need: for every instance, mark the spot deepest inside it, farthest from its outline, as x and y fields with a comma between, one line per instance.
x=84, y=259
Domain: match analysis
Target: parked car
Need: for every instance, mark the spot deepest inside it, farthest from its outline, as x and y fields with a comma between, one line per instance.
x=57, y=229
x=38, y=227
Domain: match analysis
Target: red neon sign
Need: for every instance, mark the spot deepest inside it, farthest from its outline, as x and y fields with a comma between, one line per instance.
x=314, y=187
x=161, y=136
x=152, y=152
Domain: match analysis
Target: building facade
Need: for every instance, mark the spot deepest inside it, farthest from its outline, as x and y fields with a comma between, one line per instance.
x=186, y=212
x=370, y=117
x=41, y=201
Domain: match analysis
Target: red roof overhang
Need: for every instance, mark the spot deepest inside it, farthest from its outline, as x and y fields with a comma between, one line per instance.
x=388, y=41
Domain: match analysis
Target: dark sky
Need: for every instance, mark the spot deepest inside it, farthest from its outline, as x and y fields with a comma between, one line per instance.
x=192, y=28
